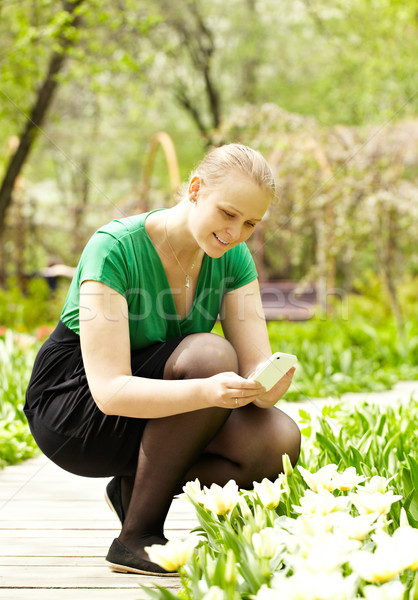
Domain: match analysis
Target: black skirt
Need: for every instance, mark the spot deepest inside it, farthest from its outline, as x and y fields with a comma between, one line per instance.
x=66, y=422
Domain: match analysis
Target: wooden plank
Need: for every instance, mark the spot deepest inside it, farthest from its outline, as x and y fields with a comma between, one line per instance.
x=77, y=577
x=55, y=531
x=73, y=594
x=172, y=524
x=78, y=525
x=80, y=537
x=53, y=561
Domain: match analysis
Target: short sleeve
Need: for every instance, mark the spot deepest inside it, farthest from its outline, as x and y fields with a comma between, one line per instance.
x=240, y=267
x=104, y=259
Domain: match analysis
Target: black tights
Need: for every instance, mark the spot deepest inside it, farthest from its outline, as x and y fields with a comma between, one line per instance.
x=213, y=444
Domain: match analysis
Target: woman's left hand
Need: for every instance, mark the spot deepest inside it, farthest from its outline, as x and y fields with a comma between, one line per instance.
x=276, y=392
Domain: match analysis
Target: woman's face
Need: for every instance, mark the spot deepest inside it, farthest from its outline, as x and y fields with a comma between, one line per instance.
x=226, y=214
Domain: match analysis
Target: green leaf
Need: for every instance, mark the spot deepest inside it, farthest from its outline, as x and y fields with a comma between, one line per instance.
x=413, y=465
x=381, y=425
x=160, y=593
x=335, y=453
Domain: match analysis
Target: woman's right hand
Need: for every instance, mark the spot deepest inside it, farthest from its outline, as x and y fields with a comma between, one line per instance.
x=229, y=390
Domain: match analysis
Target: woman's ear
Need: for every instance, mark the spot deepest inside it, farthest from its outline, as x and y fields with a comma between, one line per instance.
x=194, y=187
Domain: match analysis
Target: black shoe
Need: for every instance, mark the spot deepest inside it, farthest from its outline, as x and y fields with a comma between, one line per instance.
x=113, y=496
x=122, y=560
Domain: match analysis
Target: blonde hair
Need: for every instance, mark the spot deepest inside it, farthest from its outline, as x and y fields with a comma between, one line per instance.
x=218, y=163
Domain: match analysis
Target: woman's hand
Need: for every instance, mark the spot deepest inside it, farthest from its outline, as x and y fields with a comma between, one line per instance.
x=229, y=390
x=276, y=392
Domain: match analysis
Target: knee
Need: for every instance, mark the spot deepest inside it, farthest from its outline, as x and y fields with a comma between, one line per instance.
x=292, y=440
x=281, y=436
x=201, y=355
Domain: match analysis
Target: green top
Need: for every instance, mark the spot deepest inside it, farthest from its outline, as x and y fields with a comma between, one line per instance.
x=122, y=256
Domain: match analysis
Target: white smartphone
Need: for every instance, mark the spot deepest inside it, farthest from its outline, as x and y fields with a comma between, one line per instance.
x=274, y=368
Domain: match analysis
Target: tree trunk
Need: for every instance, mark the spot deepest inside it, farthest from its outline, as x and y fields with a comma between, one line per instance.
x=37, y=113
x=250, y=64
x=198, y=41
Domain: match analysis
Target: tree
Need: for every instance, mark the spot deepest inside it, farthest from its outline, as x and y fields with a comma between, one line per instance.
x=39, y=109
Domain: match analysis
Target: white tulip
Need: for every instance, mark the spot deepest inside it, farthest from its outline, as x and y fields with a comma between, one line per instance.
x=355, y=528
x=406, y=538
x=214, y=593
x=374, y=502
x=387, y=561
x=193, y=489
x=321, y=480
x=393, y=590
x=265, y=593
x=403, y=543
x=347, y=480
x=376, y=484
x=306, y=585
x=172, y=555
x=313, y=525
x=324, y=553
x=221, y=500
x=266, y=543
x=321, y=503
x=269, y=492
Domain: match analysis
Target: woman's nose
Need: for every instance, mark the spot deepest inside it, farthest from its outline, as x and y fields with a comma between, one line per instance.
x=234, y=232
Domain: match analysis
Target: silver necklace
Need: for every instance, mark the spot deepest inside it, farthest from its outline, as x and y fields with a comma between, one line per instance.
x=187, y=276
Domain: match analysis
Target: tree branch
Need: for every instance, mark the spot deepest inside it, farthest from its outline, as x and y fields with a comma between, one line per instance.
x=38, y=111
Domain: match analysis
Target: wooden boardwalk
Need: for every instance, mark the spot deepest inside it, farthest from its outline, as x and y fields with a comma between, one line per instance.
x=55, y=530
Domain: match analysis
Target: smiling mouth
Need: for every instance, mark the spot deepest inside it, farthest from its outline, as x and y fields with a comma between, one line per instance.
x=221, y=240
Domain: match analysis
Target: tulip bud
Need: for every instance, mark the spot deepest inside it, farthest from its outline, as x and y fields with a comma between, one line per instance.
x=247, y=532
x=210, y=565
x=287, y=465
x=245, y=509
x=284, y=483
x=260, y=517
x=404, y=518
x=230, y=572
x=214, y=593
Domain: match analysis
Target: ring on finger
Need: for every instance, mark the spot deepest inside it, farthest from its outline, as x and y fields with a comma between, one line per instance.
x=236, y=402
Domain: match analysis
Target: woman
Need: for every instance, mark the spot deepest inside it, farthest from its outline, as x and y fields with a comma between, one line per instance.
x=132, y=384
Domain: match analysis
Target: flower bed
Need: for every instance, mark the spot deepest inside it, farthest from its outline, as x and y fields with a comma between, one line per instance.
x=326, y=531
x=17, y=354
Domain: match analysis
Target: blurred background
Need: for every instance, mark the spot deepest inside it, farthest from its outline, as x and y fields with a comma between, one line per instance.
x=107, y=105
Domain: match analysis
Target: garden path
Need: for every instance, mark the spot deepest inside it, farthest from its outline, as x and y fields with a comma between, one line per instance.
x=55, y=528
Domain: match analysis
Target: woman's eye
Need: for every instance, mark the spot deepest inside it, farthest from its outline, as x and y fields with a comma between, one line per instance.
x=228, y=214
x=251, y=224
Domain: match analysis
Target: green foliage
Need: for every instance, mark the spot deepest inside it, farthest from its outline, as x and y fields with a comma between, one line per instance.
x=376, y=439
x=357, y=349
x=353, y=354
x=346, y=205
x=16, y=442
x=341, y=47
x=17, y=354
x=35, y=307
x=132, y=63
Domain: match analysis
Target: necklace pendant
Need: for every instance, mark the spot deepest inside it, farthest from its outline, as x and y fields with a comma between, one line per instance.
x=187, y=284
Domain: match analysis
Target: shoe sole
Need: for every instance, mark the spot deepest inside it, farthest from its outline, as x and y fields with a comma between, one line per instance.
x=124, y=569
x=110, y=505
